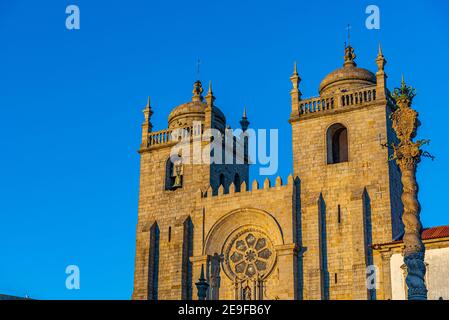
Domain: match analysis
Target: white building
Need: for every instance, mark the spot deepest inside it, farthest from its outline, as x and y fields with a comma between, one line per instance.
x=394, y=271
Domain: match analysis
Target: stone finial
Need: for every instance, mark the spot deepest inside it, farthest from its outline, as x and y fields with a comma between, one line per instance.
x=147, y=126
x=290, y=179
x=350, y=57
x=295, y=93
x=381, y=77
x=244, y=123
x=380, y=60
x=197, y=91
x=202, y=285
x=210, y=92
x=148, y=112
x=210, y=98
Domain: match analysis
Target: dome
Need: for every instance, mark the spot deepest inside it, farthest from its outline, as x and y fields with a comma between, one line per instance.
x=348, y=77
x=185, y=114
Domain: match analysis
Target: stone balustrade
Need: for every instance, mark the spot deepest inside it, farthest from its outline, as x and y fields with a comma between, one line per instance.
x=316, y=105
x=174, y=135
x=342, y=100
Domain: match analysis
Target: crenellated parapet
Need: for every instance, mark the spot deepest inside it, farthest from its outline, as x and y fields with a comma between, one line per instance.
x=246, y=190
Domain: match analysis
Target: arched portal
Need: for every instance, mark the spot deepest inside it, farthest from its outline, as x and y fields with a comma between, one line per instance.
x=245, y=241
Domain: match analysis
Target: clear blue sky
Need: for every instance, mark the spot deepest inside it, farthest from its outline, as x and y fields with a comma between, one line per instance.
x=71, y=106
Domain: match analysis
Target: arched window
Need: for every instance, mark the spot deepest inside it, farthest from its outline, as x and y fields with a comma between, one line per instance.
x=237, y=182
x=337, y=144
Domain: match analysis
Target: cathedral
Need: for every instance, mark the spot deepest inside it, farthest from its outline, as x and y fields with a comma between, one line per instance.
x=310, y=237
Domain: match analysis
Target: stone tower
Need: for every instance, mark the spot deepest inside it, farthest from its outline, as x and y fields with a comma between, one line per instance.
x=350, y=192
x=171, y=174
x=309, y=238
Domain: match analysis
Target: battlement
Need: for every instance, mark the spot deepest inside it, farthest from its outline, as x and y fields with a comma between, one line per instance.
x=245, y=189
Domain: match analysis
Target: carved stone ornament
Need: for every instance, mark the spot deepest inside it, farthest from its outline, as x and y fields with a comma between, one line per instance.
x=248, y=254
x=407, y=154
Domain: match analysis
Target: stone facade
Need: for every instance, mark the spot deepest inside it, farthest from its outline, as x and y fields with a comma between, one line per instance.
x=307, y=238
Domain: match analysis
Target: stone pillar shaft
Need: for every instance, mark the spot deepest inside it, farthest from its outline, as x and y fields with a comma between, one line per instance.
x=407, y=155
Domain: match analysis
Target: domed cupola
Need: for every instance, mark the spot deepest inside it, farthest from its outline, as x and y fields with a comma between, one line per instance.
x=347, y=78
x=185, y=114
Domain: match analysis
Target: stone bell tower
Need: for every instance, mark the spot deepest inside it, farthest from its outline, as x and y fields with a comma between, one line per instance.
x=350, y=192
x=171, y=175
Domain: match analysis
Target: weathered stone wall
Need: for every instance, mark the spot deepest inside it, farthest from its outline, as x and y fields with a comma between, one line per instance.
x=342, y=274
x=268, y=209
x=170, y=210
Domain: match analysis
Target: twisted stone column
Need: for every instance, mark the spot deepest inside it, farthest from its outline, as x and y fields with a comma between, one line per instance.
x=407, y=155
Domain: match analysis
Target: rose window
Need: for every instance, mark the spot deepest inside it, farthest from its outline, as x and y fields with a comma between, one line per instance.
x=250, y=254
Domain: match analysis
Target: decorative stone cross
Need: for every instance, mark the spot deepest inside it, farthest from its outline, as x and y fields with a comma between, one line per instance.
x=198, y=64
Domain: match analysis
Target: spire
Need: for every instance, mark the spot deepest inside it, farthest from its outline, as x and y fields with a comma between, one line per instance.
x=210, y=98
x=295, y=93
x=148, y=112
x=146, y=125
x=244, y=123
x=295, y=79
x=380, y=54
x=210, y=88
x=380, y=60
x=197, y=91
x=381, y=76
